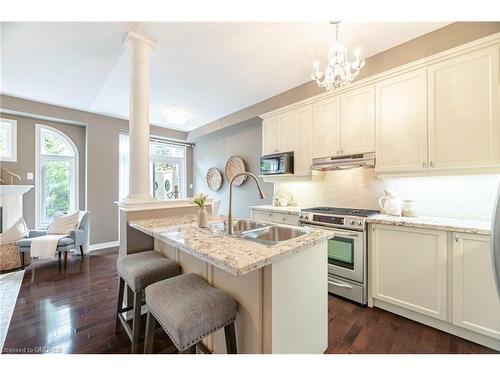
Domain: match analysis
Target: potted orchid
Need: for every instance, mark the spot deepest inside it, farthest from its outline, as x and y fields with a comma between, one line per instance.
x=199, y=200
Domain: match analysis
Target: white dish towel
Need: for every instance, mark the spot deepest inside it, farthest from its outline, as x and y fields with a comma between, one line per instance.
x=45, y=247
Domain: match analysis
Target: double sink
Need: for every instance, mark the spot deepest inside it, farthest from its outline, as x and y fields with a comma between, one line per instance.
x=269, y=234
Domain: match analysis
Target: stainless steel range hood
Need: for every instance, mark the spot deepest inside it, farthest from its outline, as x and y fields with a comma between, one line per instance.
x=366, y=160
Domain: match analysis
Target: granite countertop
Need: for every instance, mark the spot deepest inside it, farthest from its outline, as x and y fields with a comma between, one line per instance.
x=294, y=210
x=440, y=223
x=235, y=255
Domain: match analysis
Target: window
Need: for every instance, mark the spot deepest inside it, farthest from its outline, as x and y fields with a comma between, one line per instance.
x=56, y=174
x=167, y=169
x=8, y=139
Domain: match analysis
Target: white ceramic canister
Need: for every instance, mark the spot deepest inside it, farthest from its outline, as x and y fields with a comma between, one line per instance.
x=409, y=208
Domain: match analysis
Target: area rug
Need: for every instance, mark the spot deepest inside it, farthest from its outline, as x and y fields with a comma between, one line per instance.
x=10, y=284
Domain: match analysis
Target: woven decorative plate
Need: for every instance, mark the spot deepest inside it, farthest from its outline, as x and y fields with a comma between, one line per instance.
x=235, y=165
x=214, y=179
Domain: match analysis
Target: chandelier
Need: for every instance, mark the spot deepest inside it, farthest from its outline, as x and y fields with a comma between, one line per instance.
x=339, y=71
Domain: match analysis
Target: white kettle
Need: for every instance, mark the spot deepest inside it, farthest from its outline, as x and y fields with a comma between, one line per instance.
x=390, y=203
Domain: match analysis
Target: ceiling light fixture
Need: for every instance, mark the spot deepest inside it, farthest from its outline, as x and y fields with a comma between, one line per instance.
x=175, y=116
x=339, y=71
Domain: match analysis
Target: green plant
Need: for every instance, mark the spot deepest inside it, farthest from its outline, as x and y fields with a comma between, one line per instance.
x=200, y=199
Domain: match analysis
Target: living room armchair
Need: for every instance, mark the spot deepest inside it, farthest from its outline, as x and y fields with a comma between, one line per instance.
x=76, y=239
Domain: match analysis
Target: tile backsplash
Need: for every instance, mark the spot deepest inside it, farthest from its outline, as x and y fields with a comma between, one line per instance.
x=470, y=196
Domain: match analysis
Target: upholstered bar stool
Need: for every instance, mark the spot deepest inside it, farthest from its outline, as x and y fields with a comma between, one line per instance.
x=138, y=271
x=189, y=309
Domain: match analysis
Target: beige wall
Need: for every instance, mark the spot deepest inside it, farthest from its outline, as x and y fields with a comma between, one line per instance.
x=102, y=158
x=439, y=40
x=26, y=134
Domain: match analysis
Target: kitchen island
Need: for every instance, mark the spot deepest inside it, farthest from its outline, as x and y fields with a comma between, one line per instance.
x=281, y=289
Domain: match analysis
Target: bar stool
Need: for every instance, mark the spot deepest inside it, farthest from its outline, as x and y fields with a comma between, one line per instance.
x=138, y=271
x=189, y=309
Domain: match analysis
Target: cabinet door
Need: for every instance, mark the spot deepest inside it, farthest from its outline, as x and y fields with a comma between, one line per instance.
x=269, y=136
x=286, y=132
x=326, y=128
x=463, y=111
x=476, y=305
x=357, y=124
x=409, y=269
x=303, y=141
x=262, y=216
x=401, y=123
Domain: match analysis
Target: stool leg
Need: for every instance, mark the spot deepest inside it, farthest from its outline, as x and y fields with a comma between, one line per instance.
x=136, y=326
x=21, y=256
x=81, y=250
x=119, y=306
x=230, y=339
x=59, y=255
x=150, y=333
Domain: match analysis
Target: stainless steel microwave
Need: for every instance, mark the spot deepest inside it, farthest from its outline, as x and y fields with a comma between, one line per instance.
x=277, y=164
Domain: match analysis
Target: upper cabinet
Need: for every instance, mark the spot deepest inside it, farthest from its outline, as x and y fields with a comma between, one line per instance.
x=303, y=144
x=278, y=134
x=326, y=127
x=438, y=114
x=357, y=121
x=463, y=111
x=401, y=123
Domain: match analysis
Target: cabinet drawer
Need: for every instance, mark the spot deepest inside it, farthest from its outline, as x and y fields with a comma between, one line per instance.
x=262, y=216
x=288, y=219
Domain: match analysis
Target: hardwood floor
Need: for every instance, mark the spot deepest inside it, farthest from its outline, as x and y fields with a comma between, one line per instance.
x=72, y=311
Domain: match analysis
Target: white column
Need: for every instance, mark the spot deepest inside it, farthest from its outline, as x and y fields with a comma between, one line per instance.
x=140, y=51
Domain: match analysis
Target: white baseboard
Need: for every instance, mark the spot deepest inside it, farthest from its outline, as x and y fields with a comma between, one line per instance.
x=103, y=245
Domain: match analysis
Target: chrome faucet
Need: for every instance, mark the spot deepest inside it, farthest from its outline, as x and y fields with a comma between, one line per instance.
x=229, y=213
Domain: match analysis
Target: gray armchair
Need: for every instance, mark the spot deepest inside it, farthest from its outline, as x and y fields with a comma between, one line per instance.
x=76, y=239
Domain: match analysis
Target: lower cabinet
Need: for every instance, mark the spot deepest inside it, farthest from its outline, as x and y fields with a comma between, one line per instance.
x=265, y=216
x=476, y=305
x=444, y=275
x=409, y=269
x=275, y=217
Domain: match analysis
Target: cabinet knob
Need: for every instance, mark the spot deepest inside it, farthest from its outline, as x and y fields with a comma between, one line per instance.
x=431, y=164
x=456, y=237
x=424, y=164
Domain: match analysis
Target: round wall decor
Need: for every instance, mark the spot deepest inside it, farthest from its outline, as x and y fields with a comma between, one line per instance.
x=235, y=165
x=214, y=179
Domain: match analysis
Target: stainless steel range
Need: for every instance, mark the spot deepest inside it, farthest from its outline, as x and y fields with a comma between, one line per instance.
x=347, y=250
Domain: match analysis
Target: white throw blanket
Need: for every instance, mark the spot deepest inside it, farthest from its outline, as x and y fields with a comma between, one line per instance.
x=45, y=247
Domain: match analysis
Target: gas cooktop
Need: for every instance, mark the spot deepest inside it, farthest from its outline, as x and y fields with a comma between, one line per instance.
x=341, y=211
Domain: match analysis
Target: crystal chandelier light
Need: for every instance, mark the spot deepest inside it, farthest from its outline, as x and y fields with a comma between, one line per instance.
x=339, y=71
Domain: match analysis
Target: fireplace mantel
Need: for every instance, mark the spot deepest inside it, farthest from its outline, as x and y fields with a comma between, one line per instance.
x=11, y=201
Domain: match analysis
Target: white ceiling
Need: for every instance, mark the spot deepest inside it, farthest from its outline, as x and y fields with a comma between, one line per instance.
x=207, y=69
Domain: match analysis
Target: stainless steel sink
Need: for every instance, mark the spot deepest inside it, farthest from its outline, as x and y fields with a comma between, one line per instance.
x=274, y=234
x=239, y=226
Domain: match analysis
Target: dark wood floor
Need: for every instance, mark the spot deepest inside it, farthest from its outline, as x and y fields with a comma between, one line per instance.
x=73, y=310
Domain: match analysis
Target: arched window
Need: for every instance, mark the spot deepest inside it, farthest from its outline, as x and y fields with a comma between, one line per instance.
x=56, y=174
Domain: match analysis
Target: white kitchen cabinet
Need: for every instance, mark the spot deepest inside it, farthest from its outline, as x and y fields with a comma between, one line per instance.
x=357, y=121
x=286, y=132
x=265, y=216
x=326, y=127
x=270, y=136
x=463, y=111
x=401, y=123
x=476, y=305
x=409, y=269
x=287, y=219
x=278, y=133
x=303, y=140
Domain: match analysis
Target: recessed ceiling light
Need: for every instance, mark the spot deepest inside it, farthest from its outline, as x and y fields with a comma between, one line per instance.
x=176, y=116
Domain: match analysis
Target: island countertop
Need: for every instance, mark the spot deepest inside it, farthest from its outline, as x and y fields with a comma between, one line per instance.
x=232, y=254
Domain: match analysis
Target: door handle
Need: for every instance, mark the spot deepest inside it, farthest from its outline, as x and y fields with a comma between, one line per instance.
x=341, y=285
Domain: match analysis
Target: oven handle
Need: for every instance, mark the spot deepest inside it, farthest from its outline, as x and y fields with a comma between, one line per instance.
x=342, y=285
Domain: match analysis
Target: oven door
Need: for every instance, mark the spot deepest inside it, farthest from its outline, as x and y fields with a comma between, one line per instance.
x=346, y=255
